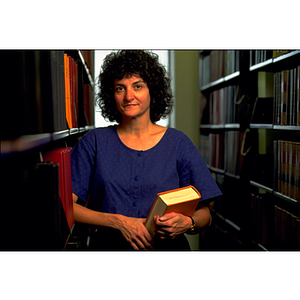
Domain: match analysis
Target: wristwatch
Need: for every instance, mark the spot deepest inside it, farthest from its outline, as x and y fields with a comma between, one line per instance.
x=192, y=228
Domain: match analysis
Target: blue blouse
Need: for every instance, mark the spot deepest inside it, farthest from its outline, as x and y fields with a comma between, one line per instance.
x=117, y=179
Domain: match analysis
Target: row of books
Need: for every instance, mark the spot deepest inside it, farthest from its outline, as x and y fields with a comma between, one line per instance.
x=223, y=105
x=216, y=146
x=261, y=220
x=277, y=53
x=233, y=159
x=287, y=230
x=286, y=105
x=287, y=168
x=258, y=56
x=44, y=92
x=223, y=152
x=74, y=90
x=38, y=207
x=217, y=64
x=62, y=157
x=272, y=226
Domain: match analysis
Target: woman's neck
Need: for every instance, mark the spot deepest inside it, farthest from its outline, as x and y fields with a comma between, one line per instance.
x=140, y=136
x=135, y=127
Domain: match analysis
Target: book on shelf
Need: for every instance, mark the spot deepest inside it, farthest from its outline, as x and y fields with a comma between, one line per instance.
x=259, y=56
x=69, y=93
x=261, y=219
x=223, y=105
x=233, y=159
x=218, y=64
x=276, y=99
x=286, y=97
x=231, y=61
x=204, y=70
x=62, y=156
x=51, y=89
x=277, y=53
x=35, y=103
x=50, y=94
x=216, y=145
x=298, y=96
x=182, y=200
x=50, y=226
x=287, y=166
x=287, y=230
x=34, y=217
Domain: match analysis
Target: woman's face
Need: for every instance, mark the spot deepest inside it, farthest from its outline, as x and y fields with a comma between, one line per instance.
x=132, y=97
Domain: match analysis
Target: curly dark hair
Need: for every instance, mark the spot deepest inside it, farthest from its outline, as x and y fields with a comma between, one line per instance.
x=145, y=64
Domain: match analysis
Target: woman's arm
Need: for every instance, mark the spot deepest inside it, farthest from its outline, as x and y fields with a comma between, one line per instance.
x=132, y=229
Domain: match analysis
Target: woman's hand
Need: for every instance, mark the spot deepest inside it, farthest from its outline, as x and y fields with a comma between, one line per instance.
x=135, y=232
x=171, y=224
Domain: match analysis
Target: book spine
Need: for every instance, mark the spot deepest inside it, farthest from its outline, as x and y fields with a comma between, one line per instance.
x=284, y=97
x=298, y=96
x=297, y=171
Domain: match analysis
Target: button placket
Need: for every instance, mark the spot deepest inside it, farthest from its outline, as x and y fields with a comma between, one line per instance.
x=136, y=179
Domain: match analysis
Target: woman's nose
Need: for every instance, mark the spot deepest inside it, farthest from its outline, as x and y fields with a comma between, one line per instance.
x=129, y=94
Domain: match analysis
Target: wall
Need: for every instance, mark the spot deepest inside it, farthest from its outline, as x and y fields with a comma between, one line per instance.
x=185, y=85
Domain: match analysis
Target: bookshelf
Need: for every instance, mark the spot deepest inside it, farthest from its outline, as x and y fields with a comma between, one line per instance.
x=49, y=105
x=258, y=147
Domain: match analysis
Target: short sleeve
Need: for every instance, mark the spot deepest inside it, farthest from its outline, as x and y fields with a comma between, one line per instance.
x=192, y=170
x=82, y=166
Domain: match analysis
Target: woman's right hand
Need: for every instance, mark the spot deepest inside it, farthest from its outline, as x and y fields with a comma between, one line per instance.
x=135, y=232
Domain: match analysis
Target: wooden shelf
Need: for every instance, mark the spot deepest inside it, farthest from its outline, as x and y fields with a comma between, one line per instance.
x=220, y=82
x=272, y=63
x=247, y=79
x=28, y=142
x=261, y=186
x=25, y=143
x=270, y=190
x=286, y=56
x=261, y=65
x=261, y=126
x=285, y=197
x=216, y=170
x=230, y=126
x=289, y=128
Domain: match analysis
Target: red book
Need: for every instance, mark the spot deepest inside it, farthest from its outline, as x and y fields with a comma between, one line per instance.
x=62, y=156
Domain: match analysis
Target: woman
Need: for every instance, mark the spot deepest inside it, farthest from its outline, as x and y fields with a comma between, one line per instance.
x=120, y=169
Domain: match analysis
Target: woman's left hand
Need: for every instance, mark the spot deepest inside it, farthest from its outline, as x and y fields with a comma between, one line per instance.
x=171, y=224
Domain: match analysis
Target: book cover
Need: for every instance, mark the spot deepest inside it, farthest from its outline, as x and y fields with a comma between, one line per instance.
x=82, y=119
x=67, y=91
x=62, y=156
x=182, y=200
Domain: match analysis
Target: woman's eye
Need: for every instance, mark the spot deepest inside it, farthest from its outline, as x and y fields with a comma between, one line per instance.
x=119, y=88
